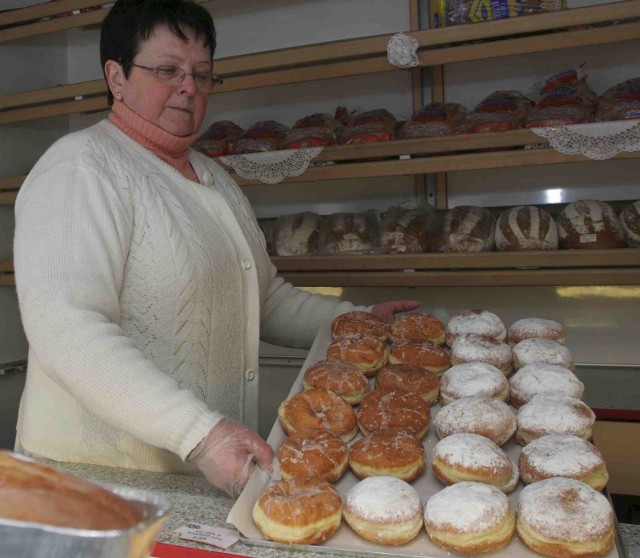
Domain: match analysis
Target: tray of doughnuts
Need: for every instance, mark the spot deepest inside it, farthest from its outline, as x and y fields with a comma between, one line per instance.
x=450, y=467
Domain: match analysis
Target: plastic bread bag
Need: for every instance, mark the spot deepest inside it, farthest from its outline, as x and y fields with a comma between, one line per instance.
x=407, y=228
x=316, y=136
x=620, y=102
x=218, y=139
x=367, y=127
x=455, y=12
x=297, y=234
x=511, y=102
x=353, y=233
x=465, y=228
x=261, y=136
x=482, y=122
x=433, y=119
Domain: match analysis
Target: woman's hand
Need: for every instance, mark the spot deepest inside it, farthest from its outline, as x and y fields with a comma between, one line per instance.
x=228, y=454
x=387, y=310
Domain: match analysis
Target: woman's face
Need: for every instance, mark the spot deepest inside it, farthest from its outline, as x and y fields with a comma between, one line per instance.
x=177, y=109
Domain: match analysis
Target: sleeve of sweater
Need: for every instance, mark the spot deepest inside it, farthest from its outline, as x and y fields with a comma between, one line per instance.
x=71, y=242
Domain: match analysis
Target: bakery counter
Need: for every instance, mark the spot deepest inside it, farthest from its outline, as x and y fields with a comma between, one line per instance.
x=194, y=500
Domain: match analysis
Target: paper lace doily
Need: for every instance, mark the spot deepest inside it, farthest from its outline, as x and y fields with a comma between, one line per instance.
x=600, y=140
x=402, y=51
x=272, y=167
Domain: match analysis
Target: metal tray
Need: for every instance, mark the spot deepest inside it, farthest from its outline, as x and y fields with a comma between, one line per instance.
x=21, y=539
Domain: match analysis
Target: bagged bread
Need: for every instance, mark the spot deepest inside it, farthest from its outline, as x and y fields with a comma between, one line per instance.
x=297, y=234
x=367, y=127
x=354, y=233
x=630, y=221
x=407, y=228
x=218, y=139
x=620, y=102
x=260, y=137
x=434, y=119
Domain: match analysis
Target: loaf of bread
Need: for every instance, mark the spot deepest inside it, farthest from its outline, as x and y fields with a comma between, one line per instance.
x=297, y=234
x=630, y=221
x=35, y=493
x=589, y=224
x=406, y=228
x=356, y=233
x=526, y=227
x=620, y=102
x=465, y=229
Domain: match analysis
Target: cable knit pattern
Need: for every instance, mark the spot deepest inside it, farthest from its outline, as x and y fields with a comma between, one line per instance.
x=142, y=295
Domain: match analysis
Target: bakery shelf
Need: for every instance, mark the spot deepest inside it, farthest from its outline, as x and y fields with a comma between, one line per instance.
x=6, y=273
x=9, y=186
x=612, y=22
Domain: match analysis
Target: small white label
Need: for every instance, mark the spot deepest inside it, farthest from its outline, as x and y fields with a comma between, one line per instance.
x=584, y=238
x=206, y=534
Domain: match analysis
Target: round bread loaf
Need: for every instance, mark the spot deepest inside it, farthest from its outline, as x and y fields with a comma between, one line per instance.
x=528, y=328
x=526, y=227
x=466, y=229
x=565, y=518
x=563, y=455
x=297, y=234
x=486, y=416
x=554, y=414
x=480, y=322
x=395, y=454
x=541, y=378
x=473, y=379
x=304, y=510
x=630, y=221
x=589, y=224
x=385, y=510
x=471, y=457
x=469, y=517
x=471, y=347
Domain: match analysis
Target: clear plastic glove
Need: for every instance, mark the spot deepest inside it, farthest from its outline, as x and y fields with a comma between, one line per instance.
x=227, y=455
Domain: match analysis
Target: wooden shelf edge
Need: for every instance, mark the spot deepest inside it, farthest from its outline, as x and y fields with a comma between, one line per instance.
x=46, y=9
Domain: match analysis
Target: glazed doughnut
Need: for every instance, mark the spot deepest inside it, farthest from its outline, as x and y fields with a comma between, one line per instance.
x=529, y=328
x=563, y=455
x=411, y=378
x=368, y=353
x=303, y=510
x=565, y=518
x=387, y=453
x=471, y=347
x=530, y=351
x=473, y=379
x=429, y=356
x=340, y=377
x=469, y=517
x=416, y=326
x=554, y=414
x=389, y=409
x=313, y=410
x=385, y=510
x=323, y=455
x=358, y=321
x=484, y=415
x=543, y=379
x=471, y=457
x=481, y=322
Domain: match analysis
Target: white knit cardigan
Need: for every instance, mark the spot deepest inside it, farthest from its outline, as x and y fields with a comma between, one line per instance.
x=143, y=296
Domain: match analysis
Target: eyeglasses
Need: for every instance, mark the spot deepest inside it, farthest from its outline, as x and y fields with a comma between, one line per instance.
x=173, y=75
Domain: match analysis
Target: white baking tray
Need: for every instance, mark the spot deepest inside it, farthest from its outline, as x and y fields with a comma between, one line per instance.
x=345, y=541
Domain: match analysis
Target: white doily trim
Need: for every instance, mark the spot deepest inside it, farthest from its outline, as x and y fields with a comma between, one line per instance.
x=402, y=51
x=274, y=166
x=600, y=140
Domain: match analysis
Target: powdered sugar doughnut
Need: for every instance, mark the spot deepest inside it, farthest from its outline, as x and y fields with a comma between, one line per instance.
x=531, y=351
x=470, y=347
x=543, y=379
x=323, y=454
x=411, y=378
x=481, y=322
x=563, y=455
x=429, y=356
x=566, y=518
x=473, y=379
x=528, y=328
x=385, y=510
x=388, y=409
x=368, y=353
x=340, y=377
x=486, y=416
x=469, y=517
x=554, y=414
x=358, y=321
x=416, y=326
x=471, y=457
x=387, y=453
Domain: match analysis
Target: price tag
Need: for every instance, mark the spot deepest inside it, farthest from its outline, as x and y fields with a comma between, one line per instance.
x=214, y=536
x=584, y=238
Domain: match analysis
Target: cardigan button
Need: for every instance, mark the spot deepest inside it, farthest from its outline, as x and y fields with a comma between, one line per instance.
x=246, y=263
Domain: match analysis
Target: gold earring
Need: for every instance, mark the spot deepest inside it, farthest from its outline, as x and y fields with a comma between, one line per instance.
x=119, y=96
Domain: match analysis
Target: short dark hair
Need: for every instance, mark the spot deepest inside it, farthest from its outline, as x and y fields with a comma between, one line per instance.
x=131, y=21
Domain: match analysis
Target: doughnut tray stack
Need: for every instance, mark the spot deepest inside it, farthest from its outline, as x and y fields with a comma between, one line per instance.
x=346, y=541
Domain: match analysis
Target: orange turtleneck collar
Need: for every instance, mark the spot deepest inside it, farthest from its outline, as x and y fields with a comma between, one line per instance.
x=173, y=150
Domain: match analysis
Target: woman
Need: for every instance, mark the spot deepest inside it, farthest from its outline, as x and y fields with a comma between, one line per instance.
x=142, y=276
